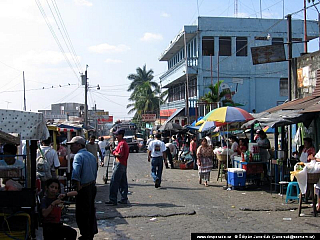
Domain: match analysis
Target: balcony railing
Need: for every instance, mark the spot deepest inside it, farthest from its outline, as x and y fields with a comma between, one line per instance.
x=192, y=62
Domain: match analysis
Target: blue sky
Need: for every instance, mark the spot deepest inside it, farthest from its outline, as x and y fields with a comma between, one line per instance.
x=112, y=37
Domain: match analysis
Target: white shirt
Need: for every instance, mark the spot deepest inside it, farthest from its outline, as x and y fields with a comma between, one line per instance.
x=209, y=140
x=234, y=146
x=157, y=148
x=51, y=156
x=172, y=148
x=102, y=145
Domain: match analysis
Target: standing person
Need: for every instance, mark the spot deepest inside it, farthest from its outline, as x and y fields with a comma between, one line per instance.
x=193, y=151
x=119, y=180
x=264, y=145
x=51, y=156
x=234, y=147
x=171, y=152
x=93, y=147
x=205, y=164
x=157, y=151
x=51, y=205
x=308, y=150
x=102, y=146
x=84, y=176
x=208, y=137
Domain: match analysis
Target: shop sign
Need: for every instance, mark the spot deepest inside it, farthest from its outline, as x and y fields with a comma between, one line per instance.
x=108, y=119
x=149, y=117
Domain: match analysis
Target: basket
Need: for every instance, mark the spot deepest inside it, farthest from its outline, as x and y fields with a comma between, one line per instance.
x=313, y=178
x=222, y=157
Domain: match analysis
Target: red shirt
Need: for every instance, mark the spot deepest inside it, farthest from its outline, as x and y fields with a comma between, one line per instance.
x=193, y=146
x=123, y=150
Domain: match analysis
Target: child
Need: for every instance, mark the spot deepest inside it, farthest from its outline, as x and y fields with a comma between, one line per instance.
x=51, y=211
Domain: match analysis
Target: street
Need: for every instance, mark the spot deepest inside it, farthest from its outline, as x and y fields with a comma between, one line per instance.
x=182, y=206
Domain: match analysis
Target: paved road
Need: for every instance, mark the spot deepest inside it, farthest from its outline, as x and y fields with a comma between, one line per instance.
x=182, y=206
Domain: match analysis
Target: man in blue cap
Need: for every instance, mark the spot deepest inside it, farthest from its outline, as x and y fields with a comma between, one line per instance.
x=119, y=180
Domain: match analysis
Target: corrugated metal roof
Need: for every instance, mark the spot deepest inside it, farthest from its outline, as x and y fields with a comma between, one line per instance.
x=294, y=104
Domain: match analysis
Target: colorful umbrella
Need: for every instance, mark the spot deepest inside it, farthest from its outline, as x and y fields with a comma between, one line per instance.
x=207, y=125
x=228, y=115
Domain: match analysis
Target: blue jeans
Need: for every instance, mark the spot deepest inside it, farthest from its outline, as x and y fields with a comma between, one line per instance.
x=119, y=182
x=156, y=168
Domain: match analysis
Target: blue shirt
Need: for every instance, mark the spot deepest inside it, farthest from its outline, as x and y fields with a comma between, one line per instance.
x=84, y=167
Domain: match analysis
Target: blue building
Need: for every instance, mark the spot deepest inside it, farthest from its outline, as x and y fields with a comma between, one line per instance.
x=220, y=48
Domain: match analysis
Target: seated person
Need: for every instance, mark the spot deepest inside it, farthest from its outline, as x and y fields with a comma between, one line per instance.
x=51, y=206
x=9, y=160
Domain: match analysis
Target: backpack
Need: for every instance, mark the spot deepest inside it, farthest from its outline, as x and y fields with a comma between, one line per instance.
x=43, y=168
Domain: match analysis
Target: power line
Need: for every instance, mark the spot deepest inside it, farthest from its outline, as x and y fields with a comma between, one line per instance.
x=76, y=60
x=10, y=66
x=43, y=88
x=55, y=37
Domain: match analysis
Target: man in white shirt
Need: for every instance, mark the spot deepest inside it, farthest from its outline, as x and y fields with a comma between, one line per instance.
x=102, y=145
x=51, y=156
x=157, y=153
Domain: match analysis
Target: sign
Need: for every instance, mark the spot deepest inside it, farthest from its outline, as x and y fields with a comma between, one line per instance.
x=303, y=77
x=105, y=120
x=268, y=54
x=149, y=117
x=237, y=80
x=101, y=113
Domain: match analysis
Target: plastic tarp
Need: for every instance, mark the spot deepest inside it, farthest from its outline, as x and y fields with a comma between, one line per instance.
x=29, y=125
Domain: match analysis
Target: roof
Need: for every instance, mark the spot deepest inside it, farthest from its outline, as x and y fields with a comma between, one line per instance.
x=296, y=104
x=30, y=125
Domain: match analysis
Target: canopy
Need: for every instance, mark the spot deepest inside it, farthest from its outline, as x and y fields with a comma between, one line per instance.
x=29, y=125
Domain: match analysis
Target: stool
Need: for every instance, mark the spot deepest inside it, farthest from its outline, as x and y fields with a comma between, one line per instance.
x=221, y=166
x=283, y=184
x=289, y=194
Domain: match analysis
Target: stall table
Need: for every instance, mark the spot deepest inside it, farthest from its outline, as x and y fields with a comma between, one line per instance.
x=253, y=169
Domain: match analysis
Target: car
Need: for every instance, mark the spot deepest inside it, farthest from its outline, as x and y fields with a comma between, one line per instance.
x=133, y=143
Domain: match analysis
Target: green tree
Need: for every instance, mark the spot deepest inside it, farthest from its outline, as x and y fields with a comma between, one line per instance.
x=214, y=96
x=145, y=96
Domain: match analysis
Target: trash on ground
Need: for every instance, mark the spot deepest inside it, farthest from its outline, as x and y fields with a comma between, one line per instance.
x=153, y=219
x=99, y=202
x=99, y=212
x=286, y=219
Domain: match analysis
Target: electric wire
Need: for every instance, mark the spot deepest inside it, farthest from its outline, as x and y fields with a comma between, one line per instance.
x=63, y=37
x=36, y=89
x=55, y=37
x=77, y=62
x=108, y=99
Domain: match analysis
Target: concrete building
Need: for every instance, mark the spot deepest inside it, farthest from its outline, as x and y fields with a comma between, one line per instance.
x=63, y=111
x=220, y=48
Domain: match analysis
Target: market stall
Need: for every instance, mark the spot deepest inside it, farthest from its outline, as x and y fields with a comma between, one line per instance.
x=19, y=208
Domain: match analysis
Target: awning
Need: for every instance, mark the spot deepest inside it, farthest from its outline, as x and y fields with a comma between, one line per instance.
x=173, y=115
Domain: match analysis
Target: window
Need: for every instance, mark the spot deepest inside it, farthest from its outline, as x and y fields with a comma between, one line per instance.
x=170, y=94
x=193, y=88
x=208, y=46
x=283, y=86
x=277, y=41
x=225, y=46
x=242, y=46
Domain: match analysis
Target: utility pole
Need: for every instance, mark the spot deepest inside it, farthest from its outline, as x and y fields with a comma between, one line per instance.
x=305, y=27
x=289, y=78
x=84, y=79
x=24, y=93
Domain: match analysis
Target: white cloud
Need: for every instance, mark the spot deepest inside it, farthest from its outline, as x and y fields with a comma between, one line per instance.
x=151, y=36
x=164, y=14
x=115, y=61
x=107, y=48
x=83, y=3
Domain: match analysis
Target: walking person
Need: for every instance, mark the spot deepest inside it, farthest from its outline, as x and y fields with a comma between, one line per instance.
x=205, y=164
x=94, y=148
x=157, y=153
x=119, y=180
x=84, y=176
x=193, y=151
x=171, y=152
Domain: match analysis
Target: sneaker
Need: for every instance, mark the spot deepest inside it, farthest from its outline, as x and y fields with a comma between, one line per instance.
x=111, y=203
x=123, y=202
x=157, y=183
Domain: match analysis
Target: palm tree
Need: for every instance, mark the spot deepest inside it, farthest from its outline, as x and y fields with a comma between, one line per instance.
x=215, y=96
x=145, y=93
